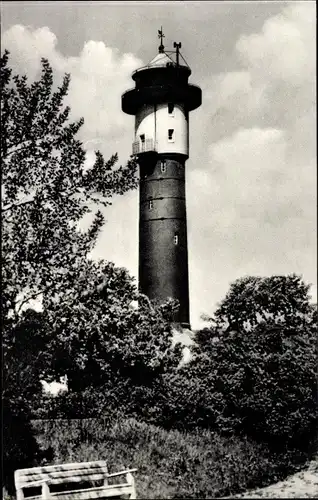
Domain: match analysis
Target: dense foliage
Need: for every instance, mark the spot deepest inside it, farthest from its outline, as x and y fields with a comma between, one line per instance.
x=26, y=357
x=20, y=448
x=115, y=356
x=254, y=370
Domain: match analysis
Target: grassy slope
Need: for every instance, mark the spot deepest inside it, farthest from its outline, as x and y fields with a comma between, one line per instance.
x=170, y=464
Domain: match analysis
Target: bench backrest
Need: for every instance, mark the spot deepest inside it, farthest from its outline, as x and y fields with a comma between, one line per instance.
x=56, y=474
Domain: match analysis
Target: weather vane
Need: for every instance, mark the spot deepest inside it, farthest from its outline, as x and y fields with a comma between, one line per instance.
x=161, y=36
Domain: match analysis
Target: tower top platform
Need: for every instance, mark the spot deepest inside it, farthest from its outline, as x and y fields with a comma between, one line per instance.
x=163, y=79
x=163, y=60
x=160, y=60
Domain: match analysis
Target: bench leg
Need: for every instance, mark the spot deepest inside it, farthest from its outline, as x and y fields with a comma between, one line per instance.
x=45, y=492
x=20, y=495
x=131, y=481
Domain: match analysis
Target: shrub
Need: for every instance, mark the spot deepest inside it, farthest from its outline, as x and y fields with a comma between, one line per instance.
x=254, y=370
x=20, y=448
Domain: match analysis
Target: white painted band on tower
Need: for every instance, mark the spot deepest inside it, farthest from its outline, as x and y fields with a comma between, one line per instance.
x=163, y=126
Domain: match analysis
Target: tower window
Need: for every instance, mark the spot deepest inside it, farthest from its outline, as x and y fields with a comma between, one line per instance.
x=171, y=134
x=150, y=204
x=176, y=239
x=163, y=166
x=171, y=108
x=142, y=137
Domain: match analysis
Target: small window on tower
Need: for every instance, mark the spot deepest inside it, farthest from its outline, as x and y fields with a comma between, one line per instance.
x=163, y=166
x=176, y=239
x=171, y=134
x=171, y=108
x=142, y=137
x=150, y=204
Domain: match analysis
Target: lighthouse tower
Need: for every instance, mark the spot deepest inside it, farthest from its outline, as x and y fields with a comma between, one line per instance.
x=160, y=102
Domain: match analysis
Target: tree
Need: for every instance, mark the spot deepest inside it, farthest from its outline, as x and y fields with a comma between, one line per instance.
x=46, y=190
x=26, y=356
x=253, y=299
x=256, y=363
x=109, y=348
x=92, y=332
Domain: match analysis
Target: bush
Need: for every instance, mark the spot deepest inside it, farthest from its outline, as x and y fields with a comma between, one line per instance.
x=254, y=371
x=20, y=448
x=261, y=384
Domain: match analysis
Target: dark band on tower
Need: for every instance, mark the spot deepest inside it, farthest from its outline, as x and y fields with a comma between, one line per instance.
x=161, y=101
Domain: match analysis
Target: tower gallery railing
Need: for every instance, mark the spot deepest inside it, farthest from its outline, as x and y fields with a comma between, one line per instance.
x=144, y=146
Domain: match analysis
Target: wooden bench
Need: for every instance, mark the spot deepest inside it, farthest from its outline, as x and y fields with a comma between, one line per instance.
x=42, y=478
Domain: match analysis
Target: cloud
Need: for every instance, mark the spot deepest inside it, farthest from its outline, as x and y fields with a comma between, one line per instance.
x=276, y=83
x=284, y=49
x=250, y=168
x=256, y=213
x=27, y=46
x=99, y=75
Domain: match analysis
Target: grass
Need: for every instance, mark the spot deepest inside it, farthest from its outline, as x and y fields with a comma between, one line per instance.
x=171, y=464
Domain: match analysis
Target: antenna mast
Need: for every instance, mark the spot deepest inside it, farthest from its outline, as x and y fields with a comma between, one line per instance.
x=177, y=46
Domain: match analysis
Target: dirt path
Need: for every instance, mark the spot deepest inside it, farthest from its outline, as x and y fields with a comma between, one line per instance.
x=303, y=484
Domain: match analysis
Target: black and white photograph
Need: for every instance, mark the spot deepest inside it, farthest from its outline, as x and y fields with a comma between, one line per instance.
x=159, y=249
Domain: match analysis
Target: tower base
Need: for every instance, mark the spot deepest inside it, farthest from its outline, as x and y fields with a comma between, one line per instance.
x=179, y=327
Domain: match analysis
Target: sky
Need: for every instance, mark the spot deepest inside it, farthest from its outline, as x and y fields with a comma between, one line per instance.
x=251, y=175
